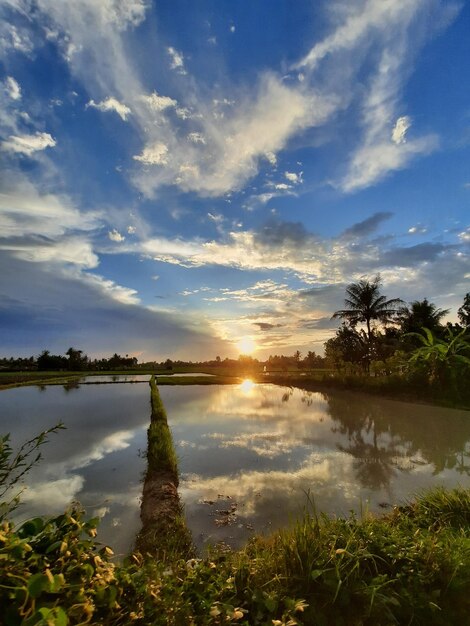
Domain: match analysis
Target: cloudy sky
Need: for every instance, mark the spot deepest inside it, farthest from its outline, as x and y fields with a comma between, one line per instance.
x=183, y=179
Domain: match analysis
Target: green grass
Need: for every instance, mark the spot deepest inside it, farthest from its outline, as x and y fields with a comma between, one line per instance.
x=409, y=567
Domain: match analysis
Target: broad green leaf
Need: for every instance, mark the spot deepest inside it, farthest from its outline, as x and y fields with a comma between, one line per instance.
x=37, y=584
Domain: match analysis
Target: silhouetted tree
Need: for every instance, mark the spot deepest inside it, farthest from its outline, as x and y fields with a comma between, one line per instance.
x=421, y=314
x=48, y=362
x=464, y=311
x=347, y=346
x=76, y=361
x=365, y=303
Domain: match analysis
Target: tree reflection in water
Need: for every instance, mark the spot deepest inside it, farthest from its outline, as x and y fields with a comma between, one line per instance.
x=386, y=436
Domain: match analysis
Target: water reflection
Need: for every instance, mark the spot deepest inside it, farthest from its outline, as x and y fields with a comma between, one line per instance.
x=95, y=460
x=262, y=451
x=248, y=454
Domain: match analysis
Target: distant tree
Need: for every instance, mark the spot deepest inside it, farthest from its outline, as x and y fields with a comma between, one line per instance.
x=421, y=314
x=77, y=360
x=313, y=360
x=464, y=311
x=50, y=362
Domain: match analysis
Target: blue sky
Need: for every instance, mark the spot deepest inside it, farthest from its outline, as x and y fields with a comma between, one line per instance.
x=183, y=179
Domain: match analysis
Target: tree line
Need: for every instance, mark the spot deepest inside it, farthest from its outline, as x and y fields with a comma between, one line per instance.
x=73, y=361
x=386, y=336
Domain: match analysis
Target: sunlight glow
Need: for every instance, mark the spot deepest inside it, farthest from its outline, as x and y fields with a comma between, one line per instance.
x=246, y=345
x=247, y=386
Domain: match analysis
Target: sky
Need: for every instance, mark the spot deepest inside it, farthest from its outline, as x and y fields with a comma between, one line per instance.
x=187, y=180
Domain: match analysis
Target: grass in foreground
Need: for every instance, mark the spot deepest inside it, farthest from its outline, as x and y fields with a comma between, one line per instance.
x=410, y=567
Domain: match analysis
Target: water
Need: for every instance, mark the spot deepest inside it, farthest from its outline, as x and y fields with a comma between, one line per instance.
x=99, y=459
x=252, y=456
x=249, y=454
x=116, y=378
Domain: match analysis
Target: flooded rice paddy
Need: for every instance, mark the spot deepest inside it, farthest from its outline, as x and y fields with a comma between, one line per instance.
x=251, y=457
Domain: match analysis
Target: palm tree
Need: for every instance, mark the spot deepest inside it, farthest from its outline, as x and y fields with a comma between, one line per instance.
x=421, y=314
x=365, y=303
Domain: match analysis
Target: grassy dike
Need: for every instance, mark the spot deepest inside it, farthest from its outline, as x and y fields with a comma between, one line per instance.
x=164, y=533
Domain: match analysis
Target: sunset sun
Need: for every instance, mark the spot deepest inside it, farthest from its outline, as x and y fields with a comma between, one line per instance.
x=246, y=345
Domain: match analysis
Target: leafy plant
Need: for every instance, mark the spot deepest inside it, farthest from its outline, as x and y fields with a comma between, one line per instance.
x=441, y=358
x=13, y=467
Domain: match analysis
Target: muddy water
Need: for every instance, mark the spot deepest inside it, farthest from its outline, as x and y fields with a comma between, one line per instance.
x=99, y=459
x=253, y=456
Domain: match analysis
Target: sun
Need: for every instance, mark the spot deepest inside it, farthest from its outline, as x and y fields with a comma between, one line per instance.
x=246, y=345
x=247, y=386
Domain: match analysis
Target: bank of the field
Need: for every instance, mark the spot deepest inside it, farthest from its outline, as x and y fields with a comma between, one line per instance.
x=9, y=380
x=164, y=533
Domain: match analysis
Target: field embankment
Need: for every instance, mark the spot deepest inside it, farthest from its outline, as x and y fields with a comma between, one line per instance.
x=164, y=533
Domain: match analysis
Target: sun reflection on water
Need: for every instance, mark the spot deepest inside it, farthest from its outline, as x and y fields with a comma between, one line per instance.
x=247, y=386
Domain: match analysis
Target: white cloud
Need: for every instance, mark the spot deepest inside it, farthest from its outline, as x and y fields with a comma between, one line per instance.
x=363, y=19
x=196, y=138
x=28, y=144
x=293, y=177
x=400, y=129
x=14, y=38
x=57, y=494
x=154, y=154
x=268, y=113
x=24, y=211
x=183, y=113
x=131, y=230
x=177, y=60
x=75, y=251
x=386, y=33
x=111, y=104
x=271, y=157
x=116, y=236
x=465, y=235
x=257, y=128
x=374, y=160
x=12, y=88
x=119, y=14
x=232, y=28
x=282, y=186
x=159, y=103
x=418, y=229
x=44, y=228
